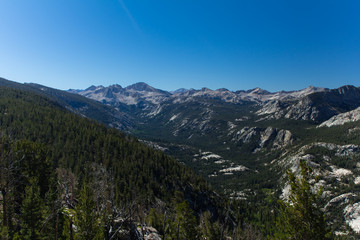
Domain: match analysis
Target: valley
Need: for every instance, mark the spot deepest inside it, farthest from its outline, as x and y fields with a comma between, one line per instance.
x=242, y=143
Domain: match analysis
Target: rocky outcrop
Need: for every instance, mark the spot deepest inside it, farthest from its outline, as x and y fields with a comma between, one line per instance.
x=304, y=109
x=318, y=106
x=352, y=216
x=342, y=118
x=283, y=139
x=246, y=134
x=273, y=137
x=332, y=176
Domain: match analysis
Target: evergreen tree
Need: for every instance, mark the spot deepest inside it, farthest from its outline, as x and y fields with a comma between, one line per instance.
x=302, y=218
x=86, y=219
x=7, y=188
x=211, y=231
x=185, y=222
x=54, y=208
x=32, y=213
x=68, y=226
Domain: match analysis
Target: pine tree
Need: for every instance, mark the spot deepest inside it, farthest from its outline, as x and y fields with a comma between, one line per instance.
x=86, y=218
x=54, y=208
x=211, y=231
x=32, y=213
x=185, y=222
x=302, y=218
x=6, y=188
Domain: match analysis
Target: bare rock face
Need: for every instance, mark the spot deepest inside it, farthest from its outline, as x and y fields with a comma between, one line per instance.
x=342, y=118
x=273, y=137
x=331, y=176
x=273, y=109
x=266, y=136
x=317, y=106
x=303, y=110
x=246, y=134
x=283, y=139
x=149, y=233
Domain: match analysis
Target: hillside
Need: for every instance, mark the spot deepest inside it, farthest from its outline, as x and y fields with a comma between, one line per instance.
x=127, y=178
x=78, y=104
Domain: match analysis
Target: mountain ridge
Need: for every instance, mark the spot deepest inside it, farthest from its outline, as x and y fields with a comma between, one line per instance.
x=256, y=94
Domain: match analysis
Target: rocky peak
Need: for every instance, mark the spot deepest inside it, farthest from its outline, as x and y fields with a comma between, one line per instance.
x=93, y=88
x=348, y=89
x=258, y=91
x=141, y=86
x=115, y=87
x=180, y=90
x=204, y=89
x=222, y=90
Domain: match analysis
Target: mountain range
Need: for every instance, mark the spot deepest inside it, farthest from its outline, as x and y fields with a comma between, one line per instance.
x=242, y=142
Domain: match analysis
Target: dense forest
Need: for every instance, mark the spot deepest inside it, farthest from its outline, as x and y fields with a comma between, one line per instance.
x=63, y=176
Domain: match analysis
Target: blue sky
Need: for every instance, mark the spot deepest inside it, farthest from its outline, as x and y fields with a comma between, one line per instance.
x=239, y=45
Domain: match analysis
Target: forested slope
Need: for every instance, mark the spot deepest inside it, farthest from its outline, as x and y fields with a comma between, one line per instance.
x=66, y=155
x=77, y=104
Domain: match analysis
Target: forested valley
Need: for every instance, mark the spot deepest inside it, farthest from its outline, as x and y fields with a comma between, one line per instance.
x=63, y=176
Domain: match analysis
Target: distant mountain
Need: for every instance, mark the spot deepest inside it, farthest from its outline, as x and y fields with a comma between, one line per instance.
x=314, y=106
x=180, y=90
x=141, y=91
x=131, y=95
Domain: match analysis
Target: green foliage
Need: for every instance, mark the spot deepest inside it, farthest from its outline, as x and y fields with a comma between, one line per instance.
x=210, y=230
x=74, y=142
x=87, y=219
x=156, y=220
x=302, y=218
x=185, y=222
x=23, y=187
x=44, y=138
x=32, y=213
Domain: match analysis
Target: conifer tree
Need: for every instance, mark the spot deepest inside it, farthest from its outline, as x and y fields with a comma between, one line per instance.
x=86, y=218
x=6, y=188
x=54, y=208
x=211, y=231
x=185, y=222
x=32, y=213
x=302, y=218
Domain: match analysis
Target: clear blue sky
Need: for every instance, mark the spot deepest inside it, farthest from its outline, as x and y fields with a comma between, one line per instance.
x=169, y=44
